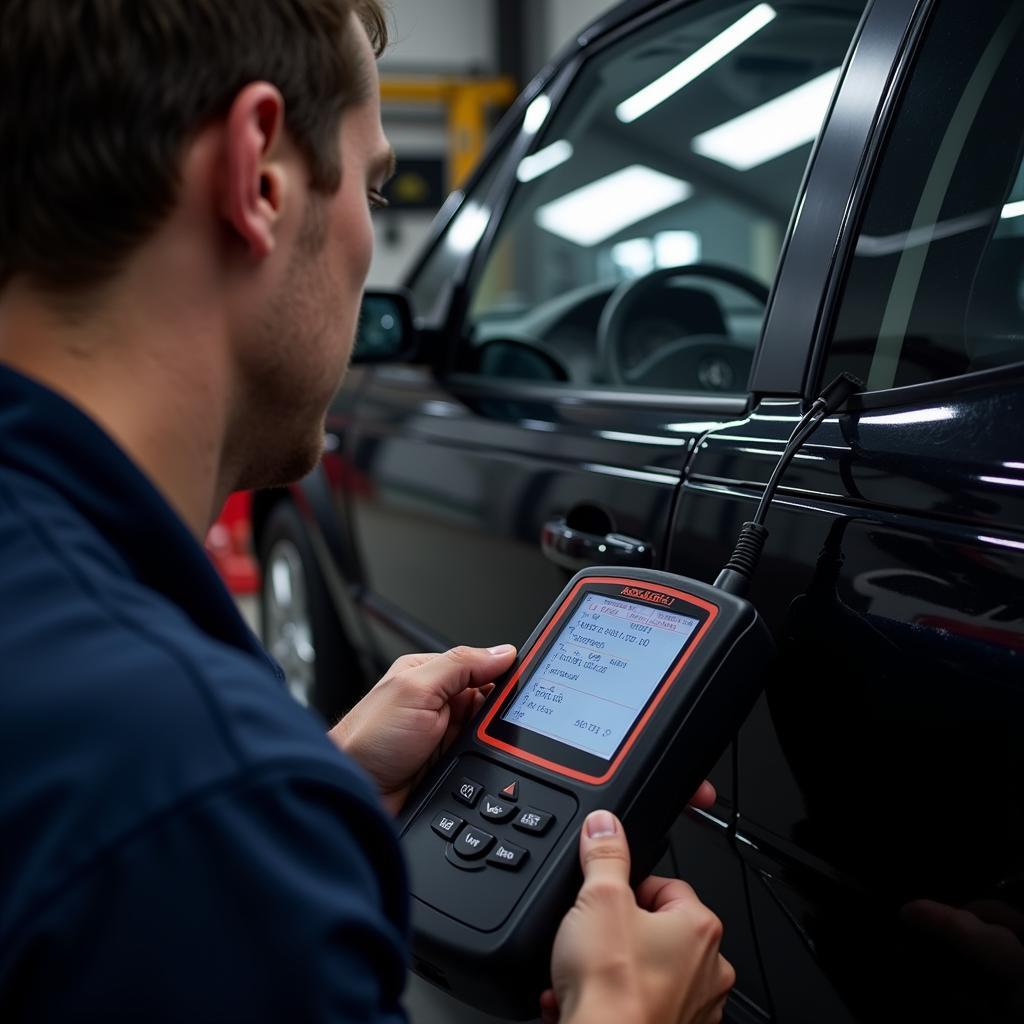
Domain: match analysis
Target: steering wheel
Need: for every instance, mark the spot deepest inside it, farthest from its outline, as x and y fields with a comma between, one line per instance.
x=690, y=351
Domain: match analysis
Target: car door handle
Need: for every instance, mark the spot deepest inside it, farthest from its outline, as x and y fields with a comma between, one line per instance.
x=576, y=549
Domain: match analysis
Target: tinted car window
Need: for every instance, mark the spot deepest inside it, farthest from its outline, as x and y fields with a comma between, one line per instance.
x=431, y=284
x=936, y=285
x=679, y=146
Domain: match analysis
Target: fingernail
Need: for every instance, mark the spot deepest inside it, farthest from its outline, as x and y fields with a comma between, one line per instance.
x=500, y=649
x=600, y=824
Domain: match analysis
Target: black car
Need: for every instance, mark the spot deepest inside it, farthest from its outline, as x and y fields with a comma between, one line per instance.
x=687, y=224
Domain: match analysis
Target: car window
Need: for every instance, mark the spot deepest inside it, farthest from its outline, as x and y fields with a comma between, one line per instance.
x=648, y=218
x=935, y=287
x=430, y=285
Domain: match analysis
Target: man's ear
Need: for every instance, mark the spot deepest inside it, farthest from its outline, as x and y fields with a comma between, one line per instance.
x=254, y=180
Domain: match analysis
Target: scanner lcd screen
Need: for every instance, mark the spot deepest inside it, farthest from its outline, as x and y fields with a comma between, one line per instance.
x=599, y=673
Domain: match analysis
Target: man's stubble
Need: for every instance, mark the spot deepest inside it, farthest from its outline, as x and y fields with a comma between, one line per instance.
x=294, y=371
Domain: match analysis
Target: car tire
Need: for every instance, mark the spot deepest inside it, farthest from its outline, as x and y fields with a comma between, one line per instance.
x=299, y=626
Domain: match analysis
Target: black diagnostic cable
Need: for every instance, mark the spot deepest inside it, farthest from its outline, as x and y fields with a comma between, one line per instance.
x=739, y=570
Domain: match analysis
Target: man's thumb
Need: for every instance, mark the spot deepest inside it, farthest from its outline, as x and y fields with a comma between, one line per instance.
x=604, y=853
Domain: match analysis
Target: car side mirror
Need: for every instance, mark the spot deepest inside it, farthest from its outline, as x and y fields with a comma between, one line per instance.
x=386, y=331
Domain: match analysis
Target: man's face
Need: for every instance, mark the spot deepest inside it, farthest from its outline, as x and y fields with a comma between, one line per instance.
x=310, y=322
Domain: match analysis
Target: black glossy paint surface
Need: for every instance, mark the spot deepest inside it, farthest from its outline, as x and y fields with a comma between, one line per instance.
x=884, y=765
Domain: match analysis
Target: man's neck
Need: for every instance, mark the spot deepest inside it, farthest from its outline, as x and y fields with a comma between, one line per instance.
x=155, y=380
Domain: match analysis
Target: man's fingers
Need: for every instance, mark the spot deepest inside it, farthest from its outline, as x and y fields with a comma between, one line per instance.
x=705, y=796
x=549, y=1012
x=657, y=894
x=404, y=664
x=604, y=853
x=450, y=673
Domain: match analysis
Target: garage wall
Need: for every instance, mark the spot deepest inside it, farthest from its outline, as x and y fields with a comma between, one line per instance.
x=566, y=17
x=451, y=37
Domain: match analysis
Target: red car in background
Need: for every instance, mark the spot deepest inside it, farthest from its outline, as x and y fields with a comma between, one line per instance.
x=229, y=544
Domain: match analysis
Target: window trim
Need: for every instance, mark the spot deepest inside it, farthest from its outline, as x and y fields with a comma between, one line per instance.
x=927, y=391
x=557, y=393
x=504, y=134
x=788, y=361
x=909, y=394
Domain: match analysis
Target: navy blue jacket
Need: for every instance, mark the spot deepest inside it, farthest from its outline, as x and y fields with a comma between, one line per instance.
x=179, y=840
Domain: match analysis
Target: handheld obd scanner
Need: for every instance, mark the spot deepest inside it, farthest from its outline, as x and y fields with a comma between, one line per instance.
x=623, y=698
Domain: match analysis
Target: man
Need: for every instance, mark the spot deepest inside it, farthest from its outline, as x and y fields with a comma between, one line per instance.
x=184, y=237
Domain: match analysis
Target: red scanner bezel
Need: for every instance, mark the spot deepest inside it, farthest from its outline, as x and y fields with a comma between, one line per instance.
x=563, y=610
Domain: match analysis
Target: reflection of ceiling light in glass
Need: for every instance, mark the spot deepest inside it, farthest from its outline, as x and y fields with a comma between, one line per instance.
x=639, y=256
x=1013, y=210
x=634, y=257
x=595, y=212
x=544, y=160
x=695, y=65
x=676, y=248
x=468, y=228
x=536, y=113
x=886, y=245
x=776, y=127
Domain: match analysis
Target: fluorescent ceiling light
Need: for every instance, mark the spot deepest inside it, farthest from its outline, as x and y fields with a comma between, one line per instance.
x=776, y=127
x=676, y=248
x=544, y=160
x=639, y=256
x=536, y=113
x=595, y=212
x=695, y=65
x=1013, y=210
x=635, y=257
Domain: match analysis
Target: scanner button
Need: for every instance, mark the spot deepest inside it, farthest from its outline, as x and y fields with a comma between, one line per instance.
x=511, y=791
x=473, y=843
x=494, y=809
x=447, y=825
x=507, y=855
x=534, y=821
x=468, y=792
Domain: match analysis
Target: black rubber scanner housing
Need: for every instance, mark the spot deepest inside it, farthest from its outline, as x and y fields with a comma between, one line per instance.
x=500, y=962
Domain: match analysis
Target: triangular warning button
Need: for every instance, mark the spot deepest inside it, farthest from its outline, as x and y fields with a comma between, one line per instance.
x=511, y=791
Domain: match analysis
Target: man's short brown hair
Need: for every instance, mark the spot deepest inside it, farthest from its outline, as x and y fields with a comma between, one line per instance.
x=98, y=99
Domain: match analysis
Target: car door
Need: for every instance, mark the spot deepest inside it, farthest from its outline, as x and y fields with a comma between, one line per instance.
x=879, y=795
x=616, y=265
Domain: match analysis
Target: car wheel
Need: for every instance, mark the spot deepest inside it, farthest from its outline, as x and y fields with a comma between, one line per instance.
x=299, y=626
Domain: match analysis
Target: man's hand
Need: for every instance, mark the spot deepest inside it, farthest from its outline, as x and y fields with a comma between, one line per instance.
x=652, y=957
x=415, y=712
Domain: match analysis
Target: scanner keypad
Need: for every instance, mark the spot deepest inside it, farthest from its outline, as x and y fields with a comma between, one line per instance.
x=496, y=809
x=471, y=843
x=482, y=836
x=508, y=856
x=447, y=825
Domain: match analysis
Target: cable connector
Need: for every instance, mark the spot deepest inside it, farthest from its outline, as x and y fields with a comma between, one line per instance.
x=739, y=570
x=844, y=387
